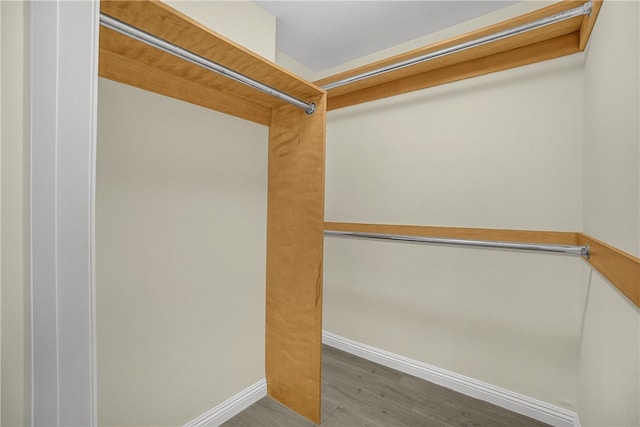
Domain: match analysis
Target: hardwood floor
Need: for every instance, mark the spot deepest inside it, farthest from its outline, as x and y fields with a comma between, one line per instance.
x=356, y=392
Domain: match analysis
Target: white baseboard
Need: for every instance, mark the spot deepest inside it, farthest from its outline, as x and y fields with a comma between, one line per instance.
x=231, y=407
x=533, y=408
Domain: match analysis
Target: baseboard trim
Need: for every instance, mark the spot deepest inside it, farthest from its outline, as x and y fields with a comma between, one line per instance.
x=231, y=407
x=524, y=405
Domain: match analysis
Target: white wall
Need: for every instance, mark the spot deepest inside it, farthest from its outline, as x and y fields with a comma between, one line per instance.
x=181, y=238
x=14, y=221
x=498, y=151
x=609, y=388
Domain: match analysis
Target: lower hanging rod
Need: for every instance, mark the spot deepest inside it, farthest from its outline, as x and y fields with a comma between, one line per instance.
x=585, y=9
x=538, y=247
x=144, y=37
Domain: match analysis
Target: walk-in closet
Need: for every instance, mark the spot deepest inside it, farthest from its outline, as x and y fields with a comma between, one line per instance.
x=206, y=215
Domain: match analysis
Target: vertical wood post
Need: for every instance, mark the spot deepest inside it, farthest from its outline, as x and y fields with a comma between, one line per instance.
x=295, y=227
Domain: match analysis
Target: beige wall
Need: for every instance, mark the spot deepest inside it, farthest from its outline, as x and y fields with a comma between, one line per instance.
x=14, y=222
x=498, y=151
x=609, y=388
x=180, y=236
x=181, y=240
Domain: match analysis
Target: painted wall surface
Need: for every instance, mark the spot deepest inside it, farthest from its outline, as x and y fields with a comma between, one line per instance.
x=181, y=240
x=497, y=151
x=180, y=243
x=609, y=388
x=14, y=220
x=242, y=21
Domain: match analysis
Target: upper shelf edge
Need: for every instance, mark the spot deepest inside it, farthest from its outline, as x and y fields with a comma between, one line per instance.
x=544, y=34
x=160, y=20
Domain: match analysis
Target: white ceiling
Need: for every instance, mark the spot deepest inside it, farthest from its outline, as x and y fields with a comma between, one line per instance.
x=324, y=34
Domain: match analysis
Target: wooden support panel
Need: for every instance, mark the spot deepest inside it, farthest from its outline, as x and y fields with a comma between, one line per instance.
x=295, y=228
x=619, y=267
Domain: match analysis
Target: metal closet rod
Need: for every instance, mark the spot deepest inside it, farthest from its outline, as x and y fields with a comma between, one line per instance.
x=144, y=37
x=585, y=9
x=538, y=247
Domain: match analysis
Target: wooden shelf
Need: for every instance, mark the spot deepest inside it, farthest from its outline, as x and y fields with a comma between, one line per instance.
x=552, y=41
x=132, y=62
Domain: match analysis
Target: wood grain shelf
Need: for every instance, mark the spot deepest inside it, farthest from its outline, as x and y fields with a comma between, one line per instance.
x=129, y=61
x=552, y=41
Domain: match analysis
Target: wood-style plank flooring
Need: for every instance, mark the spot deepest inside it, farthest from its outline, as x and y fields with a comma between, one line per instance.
x=356, y=392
